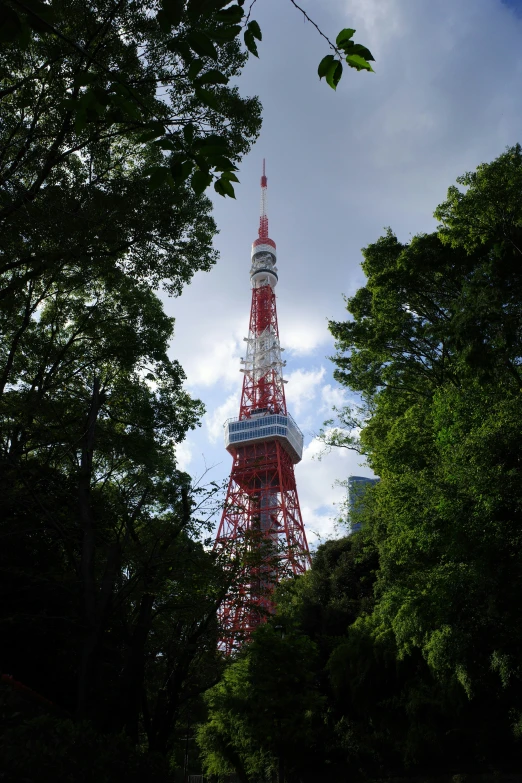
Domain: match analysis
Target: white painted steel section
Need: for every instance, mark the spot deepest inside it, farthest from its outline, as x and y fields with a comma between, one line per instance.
x=273, y=426
x=263, y=354
x=263, y=270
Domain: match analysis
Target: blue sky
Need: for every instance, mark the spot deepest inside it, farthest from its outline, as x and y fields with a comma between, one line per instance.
x=381, y=151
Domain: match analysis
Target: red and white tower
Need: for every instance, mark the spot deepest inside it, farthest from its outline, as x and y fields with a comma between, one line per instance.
x=261, y=529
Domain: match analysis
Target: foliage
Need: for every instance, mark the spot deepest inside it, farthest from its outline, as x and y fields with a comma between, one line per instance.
x=356, y=55
x=141, y=72
x=434, y=347
x=102, y=569
x=45, y=748
x=261, y=714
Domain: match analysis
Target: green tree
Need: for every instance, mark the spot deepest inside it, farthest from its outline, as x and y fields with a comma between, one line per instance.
x=434, y=348
x=262, y=714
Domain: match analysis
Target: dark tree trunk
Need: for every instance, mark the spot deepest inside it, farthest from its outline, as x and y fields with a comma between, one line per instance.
x=87, y=563
x=131, y=686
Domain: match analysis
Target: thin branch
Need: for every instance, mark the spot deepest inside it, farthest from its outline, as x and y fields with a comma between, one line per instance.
x=330, y=44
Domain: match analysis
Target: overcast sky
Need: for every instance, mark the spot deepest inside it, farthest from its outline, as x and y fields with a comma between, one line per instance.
x=446, y=95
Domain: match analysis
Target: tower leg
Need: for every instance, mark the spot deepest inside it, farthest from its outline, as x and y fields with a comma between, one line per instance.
x=263, y=536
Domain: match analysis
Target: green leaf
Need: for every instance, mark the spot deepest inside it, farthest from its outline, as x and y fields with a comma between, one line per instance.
x=215, y=140
x=85, y=78
x=207, y=97
x=152, y=131
x=149, y=136
x=212, y=150
x=230, y=176
x=202, y=44
x=224, y=188
x=250, y=42
x=181, y=47
x=334, y=74
x=10, y=24
x=172, y=12
x=221, y=163
x=255, y=30
x=127, y=106
x=195, y=67
x=213, y=77
x=344, y=36
x=181, y=169
x=119, y=89
x=200, y=181
x=354, y=48
x=195, y=8
x=168, y=144
x=224, y=34
x=80, y=121
x=325, y=64
x=358, y=62
x=231, y=15
x=188, y=133
x=158, y=176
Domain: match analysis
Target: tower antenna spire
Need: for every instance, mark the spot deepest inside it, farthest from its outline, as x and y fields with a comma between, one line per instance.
x=263, y=217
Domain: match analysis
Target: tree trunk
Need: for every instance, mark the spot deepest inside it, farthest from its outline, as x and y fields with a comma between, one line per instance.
x=87, y=575
x=133, y=674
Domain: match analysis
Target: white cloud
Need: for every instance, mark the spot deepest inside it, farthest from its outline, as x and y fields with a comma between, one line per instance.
x=302, y=388
x=382, y=20
x=302, y=337
x=317, y=486
x=183, y=455
x=216, y=361
x=214, y=421
x=333, y=397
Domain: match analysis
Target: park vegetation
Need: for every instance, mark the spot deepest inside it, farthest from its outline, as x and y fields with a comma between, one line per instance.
x=399, y=651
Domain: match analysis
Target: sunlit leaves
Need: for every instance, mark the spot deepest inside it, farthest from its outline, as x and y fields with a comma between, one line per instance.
x=331, y=69
x=358, y=62
x=344, y=36
x=357, y=56
x=197, y=33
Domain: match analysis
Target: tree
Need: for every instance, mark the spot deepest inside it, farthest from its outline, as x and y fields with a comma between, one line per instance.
x=434, y=347
x=262, y=713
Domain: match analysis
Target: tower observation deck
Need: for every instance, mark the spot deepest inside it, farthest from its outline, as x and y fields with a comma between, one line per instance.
x=261, y=532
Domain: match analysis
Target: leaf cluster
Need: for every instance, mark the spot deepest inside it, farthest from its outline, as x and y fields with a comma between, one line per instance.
x=356, y=55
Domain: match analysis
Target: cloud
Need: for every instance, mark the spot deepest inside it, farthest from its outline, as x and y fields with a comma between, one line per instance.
x=303, y=336
x=381, y=20
x=333, y=397
x=216, y=362
x=214, y=421
x=302, y=388
x=320, y=493
x=183, y=455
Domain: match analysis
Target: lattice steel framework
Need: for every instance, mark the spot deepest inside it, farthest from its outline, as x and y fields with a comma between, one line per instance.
x=261, y=530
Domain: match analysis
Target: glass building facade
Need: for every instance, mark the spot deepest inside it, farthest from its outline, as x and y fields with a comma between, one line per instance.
x=357, y=486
